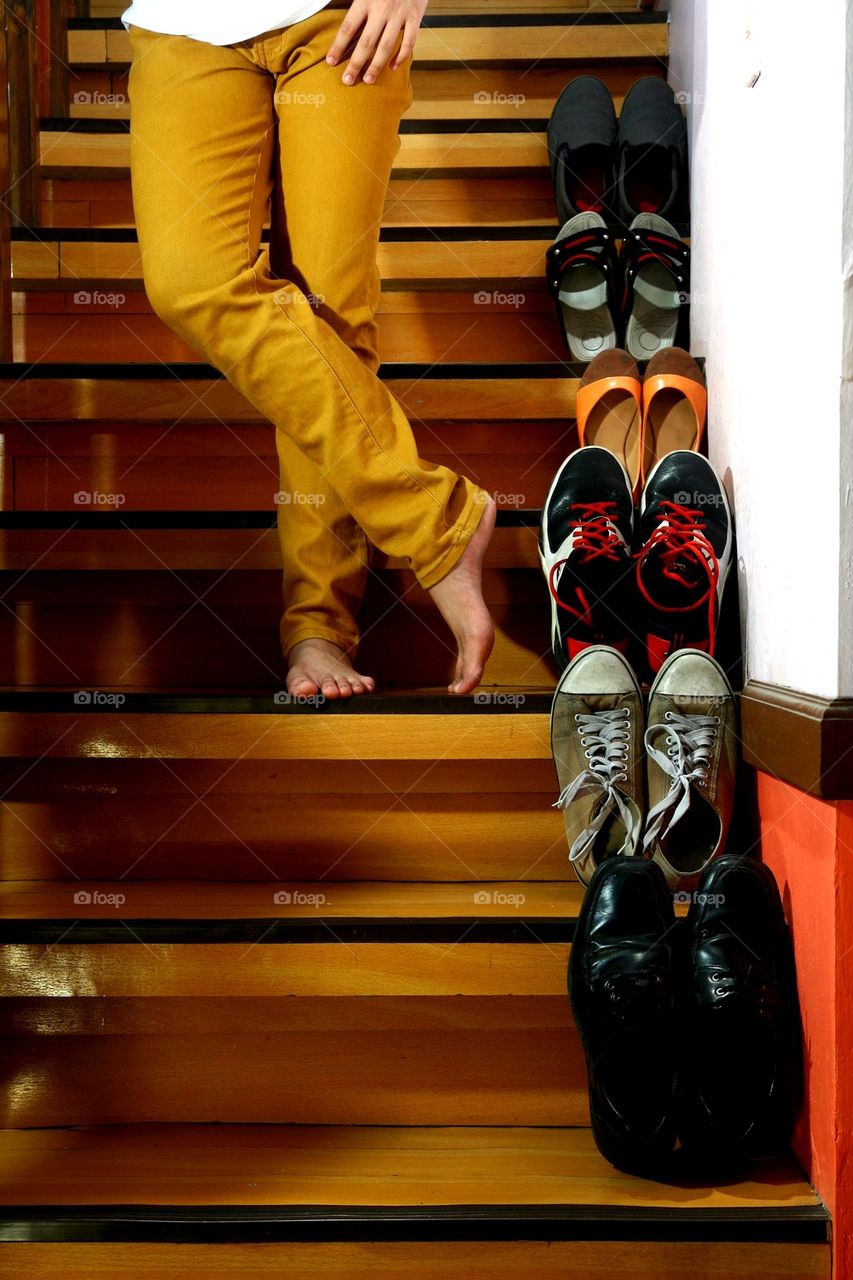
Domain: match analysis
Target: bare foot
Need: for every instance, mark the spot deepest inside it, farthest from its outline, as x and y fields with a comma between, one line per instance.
x=318, y=666
x=459, y=597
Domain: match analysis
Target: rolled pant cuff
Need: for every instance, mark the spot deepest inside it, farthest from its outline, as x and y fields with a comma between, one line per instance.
x=464, y=530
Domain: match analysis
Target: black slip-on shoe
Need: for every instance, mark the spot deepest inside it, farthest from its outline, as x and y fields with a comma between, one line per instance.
x=582, y=149
x=621, y=989
x=651, y=152
x=739, y=1025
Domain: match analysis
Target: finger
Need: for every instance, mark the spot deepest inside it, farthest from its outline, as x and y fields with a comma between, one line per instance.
x=351, y=25
x=362, y=53
x=407, y=47
x=384, y=49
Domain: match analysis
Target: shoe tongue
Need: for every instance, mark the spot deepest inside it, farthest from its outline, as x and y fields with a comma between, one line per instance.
x=591, y=574
x=675, y=583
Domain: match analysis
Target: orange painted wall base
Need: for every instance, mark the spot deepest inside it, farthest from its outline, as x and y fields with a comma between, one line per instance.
x=808, y=844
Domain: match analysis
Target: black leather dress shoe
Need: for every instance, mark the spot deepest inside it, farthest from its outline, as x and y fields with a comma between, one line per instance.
x=740, y=1028
x=620, y=983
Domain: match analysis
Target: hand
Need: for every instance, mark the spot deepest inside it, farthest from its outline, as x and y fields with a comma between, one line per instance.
x=379, y=23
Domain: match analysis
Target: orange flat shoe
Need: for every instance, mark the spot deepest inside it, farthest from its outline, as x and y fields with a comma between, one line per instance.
x=609, y=409
x=675, y=406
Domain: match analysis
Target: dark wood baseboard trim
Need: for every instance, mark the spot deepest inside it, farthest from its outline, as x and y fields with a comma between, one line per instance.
x=802, y=739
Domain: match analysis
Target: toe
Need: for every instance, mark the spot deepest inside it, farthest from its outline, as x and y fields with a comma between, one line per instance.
x=344, y=687
x=300, y=686
x=330, y=688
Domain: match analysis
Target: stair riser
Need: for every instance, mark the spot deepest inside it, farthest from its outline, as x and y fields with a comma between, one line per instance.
x=423, y=263
x=89, y=154
x=203, y=400
x=452, y=45
x=113, y=470
x=195, y=637
x=285, y=969
x=462, y=200
x=235, y=550
x=424, y=1260
x=105, y=823
x=505, y=332
x=104, y=1061
x=454, y=93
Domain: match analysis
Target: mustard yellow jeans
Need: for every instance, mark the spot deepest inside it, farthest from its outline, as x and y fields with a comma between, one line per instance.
x=220, y=137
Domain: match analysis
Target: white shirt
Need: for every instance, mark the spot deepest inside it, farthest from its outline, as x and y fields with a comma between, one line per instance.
x=218, y=21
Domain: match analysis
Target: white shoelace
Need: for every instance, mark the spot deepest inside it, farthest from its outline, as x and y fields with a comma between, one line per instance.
x=605, y=735
x=689, y=741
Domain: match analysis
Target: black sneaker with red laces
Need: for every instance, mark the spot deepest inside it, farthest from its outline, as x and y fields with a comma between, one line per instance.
x=686, y=535
x=585, y=551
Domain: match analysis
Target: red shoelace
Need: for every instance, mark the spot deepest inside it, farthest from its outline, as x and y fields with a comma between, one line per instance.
x=598, y=540
x=682, y=537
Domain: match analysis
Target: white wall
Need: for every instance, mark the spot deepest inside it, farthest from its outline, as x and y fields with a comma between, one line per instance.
x=768, y=308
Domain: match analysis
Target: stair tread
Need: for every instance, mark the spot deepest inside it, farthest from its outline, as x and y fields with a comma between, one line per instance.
x=202, y=900
x=358, y=1168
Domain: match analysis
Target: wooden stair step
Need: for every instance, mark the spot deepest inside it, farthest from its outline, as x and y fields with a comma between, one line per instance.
x=382, y=902
x=177, y=1182
x=104, y=817
x=409, y=1059
x=56, y=468
x=396, y=1260
x=512, y=323
x=72, y=256
x=275, y=965
x=120, y=470
x=29, y=541
x=453, y=38
x=167, y=629
x=194, y=392
x=457, y=93
x=463, y=200
x=91, y=147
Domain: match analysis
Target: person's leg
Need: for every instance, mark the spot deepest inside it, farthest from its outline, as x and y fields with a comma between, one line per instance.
x=200, y=161
x=324, y=551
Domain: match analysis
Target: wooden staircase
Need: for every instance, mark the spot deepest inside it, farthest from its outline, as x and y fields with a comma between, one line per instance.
x=284, y=985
